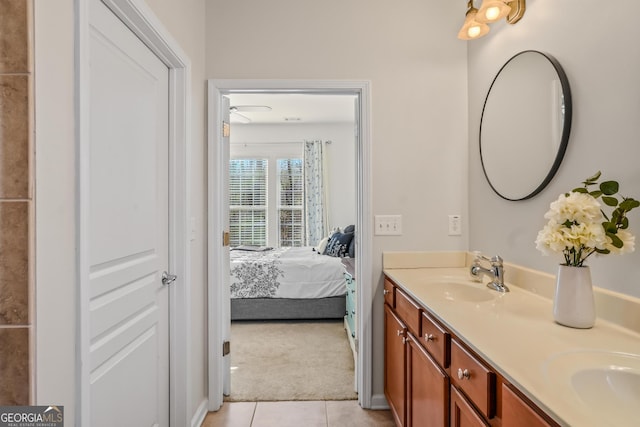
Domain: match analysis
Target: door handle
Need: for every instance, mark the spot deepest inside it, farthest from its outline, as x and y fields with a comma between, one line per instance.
x=168, y=279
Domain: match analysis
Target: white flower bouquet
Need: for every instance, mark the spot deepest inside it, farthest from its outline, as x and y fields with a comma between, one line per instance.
x=578, y=227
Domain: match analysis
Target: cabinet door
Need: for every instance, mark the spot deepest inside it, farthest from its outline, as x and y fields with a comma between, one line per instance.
x=395, y=365
x=427, y=389
x=462, y=413
x=516, y=412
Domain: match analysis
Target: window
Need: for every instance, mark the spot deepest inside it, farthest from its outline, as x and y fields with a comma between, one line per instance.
x=266, y=201
x=290, y=202
x=248, y=201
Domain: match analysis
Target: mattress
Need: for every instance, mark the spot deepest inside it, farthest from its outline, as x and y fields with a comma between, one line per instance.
x=300, y=273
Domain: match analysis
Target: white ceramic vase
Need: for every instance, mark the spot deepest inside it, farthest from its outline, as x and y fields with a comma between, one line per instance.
x=573, y=303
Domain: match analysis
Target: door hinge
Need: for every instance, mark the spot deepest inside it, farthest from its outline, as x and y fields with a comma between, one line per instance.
x=225, y=238
x=226, y=129
x=226, y=348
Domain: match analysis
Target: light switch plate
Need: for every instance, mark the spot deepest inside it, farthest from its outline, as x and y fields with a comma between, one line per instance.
x=388, y=225
x=455, y=225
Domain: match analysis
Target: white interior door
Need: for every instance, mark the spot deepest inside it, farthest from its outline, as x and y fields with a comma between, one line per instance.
x=128, y=227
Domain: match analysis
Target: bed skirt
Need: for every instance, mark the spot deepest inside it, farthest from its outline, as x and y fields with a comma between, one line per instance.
x=288, y=309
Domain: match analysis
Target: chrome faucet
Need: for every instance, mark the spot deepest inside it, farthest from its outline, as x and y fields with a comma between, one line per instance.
x=495, y=272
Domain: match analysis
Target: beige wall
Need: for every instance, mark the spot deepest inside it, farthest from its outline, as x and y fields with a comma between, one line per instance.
x=417, y=68
x=596, y=47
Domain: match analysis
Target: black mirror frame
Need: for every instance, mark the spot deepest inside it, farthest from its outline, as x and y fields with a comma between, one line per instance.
x=566, y=126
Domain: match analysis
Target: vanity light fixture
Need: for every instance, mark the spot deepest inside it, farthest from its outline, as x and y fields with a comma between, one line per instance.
x=472, y=29
x=490, y=11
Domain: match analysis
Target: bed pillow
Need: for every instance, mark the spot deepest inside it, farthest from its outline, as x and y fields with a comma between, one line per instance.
x=338, y=245
x=352, y=247
x=322, y=245
x=349, y=229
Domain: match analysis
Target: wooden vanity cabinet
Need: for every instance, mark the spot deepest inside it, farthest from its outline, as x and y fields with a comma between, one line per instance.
x=476, y=380
x=432, y=379
x=436, y=340
x=395, y=365
x=389, y=293
x=416, y=386
x=462, y=412
x=408, y=311
x=517, y=412
x=427, y=388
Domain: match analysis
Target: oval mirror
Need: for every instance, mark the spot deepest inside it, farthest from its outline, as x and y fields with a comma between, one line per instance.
x=525, y=125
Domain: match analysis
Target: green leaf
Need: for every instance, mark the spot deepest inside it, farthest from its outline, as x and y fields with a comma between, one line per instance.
x=615, y=240
x=596, y=194
x=579, y=190
x=610, y=201
x=593, y=179
x=603, y=251
x=609, y=187
x=617, y=215
x=628, y=204
x=624, y=224
x=609, y=227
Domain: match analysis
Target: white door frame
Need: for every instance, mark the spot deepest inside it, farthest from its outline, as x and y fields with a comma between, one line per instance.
x=218, y=88
x=137, y=16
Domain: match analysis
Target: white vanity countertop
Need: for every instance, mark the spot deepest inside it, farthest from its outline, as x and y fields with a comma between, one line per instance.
x=516, y=334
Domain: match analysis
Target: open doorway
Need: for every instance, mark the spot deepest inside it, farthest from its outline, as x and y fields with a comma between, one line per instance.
x=219, y=154
x=292, y=212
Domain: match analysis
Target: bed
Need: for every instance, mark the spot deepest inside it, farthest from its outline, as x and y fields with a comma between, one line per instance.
x=286, y=283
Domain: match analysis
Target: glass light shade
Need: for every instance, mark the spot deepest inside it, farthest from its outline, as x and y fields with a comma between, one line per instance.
x=472, y=29
x=492, y=11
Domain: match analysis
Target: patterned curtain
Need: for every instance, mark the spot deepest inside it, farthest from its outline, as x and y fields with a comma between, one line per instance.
x=315, y=205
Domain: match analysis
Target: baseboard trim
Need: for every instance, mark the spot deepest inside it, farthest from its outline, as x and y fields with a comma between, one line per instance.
x=200, y=414
x=379, y=402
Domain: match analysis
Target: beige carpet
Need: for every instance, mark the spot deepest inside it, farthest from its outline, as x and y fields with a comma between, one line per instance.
x=285, y=360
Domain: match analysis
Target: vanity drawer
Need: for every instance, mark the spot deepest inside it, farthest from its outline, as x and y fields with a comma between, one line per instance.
x=436, y=340
x=474, y=379
x=408, y=311
x=389, y=293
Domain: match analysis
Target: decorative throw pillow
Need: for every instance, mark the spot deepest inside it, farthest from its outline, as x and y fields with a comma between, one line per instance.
x=338, y=245
x=331, y=233
x=352, y=247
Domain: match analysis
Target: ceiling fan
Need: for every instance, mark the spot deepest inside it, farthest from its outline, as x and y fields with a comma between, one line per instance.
x=235, y=111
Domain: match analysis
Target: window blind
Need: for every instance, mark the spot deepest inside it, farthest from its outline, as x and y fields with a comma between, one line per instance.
x=290, y=202
x=248, y=201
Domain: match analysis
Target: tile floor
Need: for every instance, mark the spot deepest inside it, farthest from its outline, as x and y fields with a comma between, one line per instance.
x=346, y=413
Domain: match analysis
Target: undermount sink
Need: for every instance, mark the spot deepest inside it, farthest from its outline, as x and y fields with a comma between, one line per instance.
x=455, y=289
x=607, y=380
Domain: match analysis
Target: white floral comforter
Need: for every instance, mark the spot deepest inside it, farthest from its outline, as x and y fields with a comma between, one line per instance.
x=286, y=273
